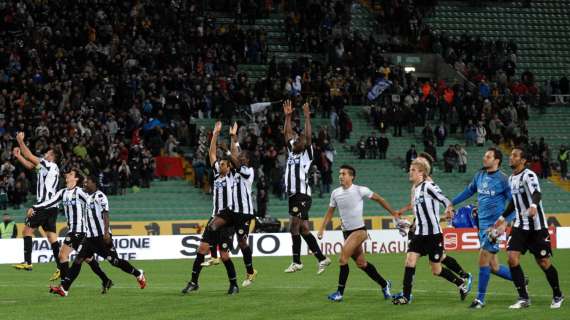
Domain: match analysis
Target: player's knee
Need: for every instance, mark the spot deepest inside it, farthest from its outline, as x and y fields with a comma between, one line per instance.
x=513, y=261
x=544, y=263
x=242, y=243
x=361, y=264
x=225, y=256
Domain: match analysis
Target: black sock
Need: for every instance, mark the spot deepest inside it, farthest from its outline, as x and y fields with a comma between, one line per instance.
x=518, y=279
x=374, y=275
x=63, y=269
x=55, y=249
x=408, y=280
x=342, y=277
x=127, y=267
x=97, y=270
x=231, y=270
x=452, y=264
x=71, y=276
x=314, y=246
x=213, y=251
x=449, y=276
x=197, y=267
x=247, y=259
x=28, y=249
x=552, y=277
x=296, y=248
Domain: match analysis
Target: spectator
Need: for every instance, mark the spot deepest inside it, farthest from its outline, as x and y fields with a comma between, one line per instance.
x=450, y=159
x=8, y=228
x=411, y=155
x=462, y=158
x=383, y=145
x=545, y=157
x=470, y=134
x=315, y=180
x=481, y=133
x=262, y=196
x=563, y=160
x=124, y=177
x=372, y=145
x=441, y=134
x=361, y=148
x=428, y=135
x=431, y=150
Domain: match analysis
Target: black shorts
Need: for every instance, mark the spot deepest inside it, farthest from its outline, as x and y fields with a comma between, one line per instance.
x=299, y=205
x=241, y=225
x=223, y=237
x=347, y=233
x=228, y=215
x=537, y=242
x=74, y=239
x=430, y=245
x=97, y=245
x=45, y=218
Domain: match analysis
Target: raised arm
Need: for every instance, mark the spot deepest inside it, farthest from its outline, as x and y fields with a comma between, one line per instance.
x=25, y=150
x=308, y=133
x=27, y=164
x=48, y=203
x=288, y=111
x=214, y=142
x=234, y=146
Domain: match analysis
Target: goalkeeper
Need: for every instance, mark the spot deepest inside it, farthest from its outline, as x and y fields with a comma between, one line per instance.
x=493, y=192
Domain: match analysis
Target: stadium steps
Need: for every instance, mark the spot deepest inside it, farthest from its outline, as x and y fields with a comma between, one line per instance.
x=542, y=40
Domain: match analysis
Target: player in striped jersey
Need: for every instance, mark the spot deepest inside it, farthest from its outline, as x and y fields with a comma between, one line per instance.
x=530, y=230
x=74, y=201
x=220, y=229
x=98, y=240
x=300, y=156
x=428, y=237
x=447, y=260
x=243, y=204
x=348, y=199
x=47, y=173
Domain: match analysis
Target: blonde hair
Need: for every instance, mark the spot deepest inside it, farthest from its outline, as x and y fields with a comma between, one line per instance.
x=423, y=165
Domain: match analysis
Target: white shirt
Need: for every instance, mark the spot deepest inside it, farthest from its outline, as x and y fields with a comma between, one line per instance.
x=350, y=205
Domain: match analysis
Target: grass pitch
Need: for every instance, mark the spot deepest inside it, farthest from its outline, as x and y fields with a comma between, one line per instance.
x=274, y=295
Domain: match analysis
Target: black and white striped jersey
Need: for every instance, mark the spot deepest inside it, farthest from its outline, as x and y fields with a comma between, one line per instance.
x=426, y=199
x=74, y=203
x=297, y=170
x=523, y=185
x=222, y=190
x=243, y=182
x=47, y=180
x=96, y=206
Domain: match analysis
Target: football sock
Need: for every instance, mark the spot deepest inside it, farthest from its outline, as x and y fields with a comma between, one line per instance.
x=296, y=248
x=97, y=270
x=374, y=275
x=231, y=271
x=552, y=277
x=504, y=273
x=214, y=251
x=454, y=266
x=484, y=276
x=408, y=280
x=126, y=267
x=247, y=259
x=314, y=246
x=55, y=249
x=71, y=275
x=197, y=267
x=28, y=249
x=518, y=279
x=449, y=276
x=63, y=269
x=342, y=277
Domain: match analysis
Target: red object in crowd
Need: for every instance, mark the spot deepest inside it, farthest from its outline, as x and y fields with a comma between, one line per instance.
x=136, y=137
x=519, y=89
x=124, y=154
x=536, y=167
x=448, y=95
x=169, y=167
x=426, y=89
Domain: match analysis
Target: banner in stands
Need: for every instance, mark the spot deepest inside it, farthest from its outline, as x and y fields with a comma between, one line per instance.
x=169, y=167
x=262, y=244
x=186, y=227
x=181, y=246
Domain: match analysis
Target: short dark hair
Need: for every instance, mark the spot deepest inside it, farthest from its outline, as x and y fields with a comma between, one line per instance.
x=497, y=154
x=523, y=152
x=93, y=178
x=78, y=175
x=349, y=168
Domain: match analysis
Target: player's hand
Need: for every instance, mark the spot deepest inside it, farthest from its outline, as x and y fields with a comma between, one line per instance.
x=287, y=107
x=320, y=234
x=475, y=212
x=234, y=129
x=218, y=127
x=20, y=136
x=532, y=211
x=500, y=222
x=306, y=110
x=16, y=152
x=30, y=212
x=449, y=211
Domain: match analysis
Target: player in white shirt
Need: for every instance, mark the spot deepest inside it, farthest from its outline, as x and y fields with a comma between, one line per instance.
x=348, y=198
